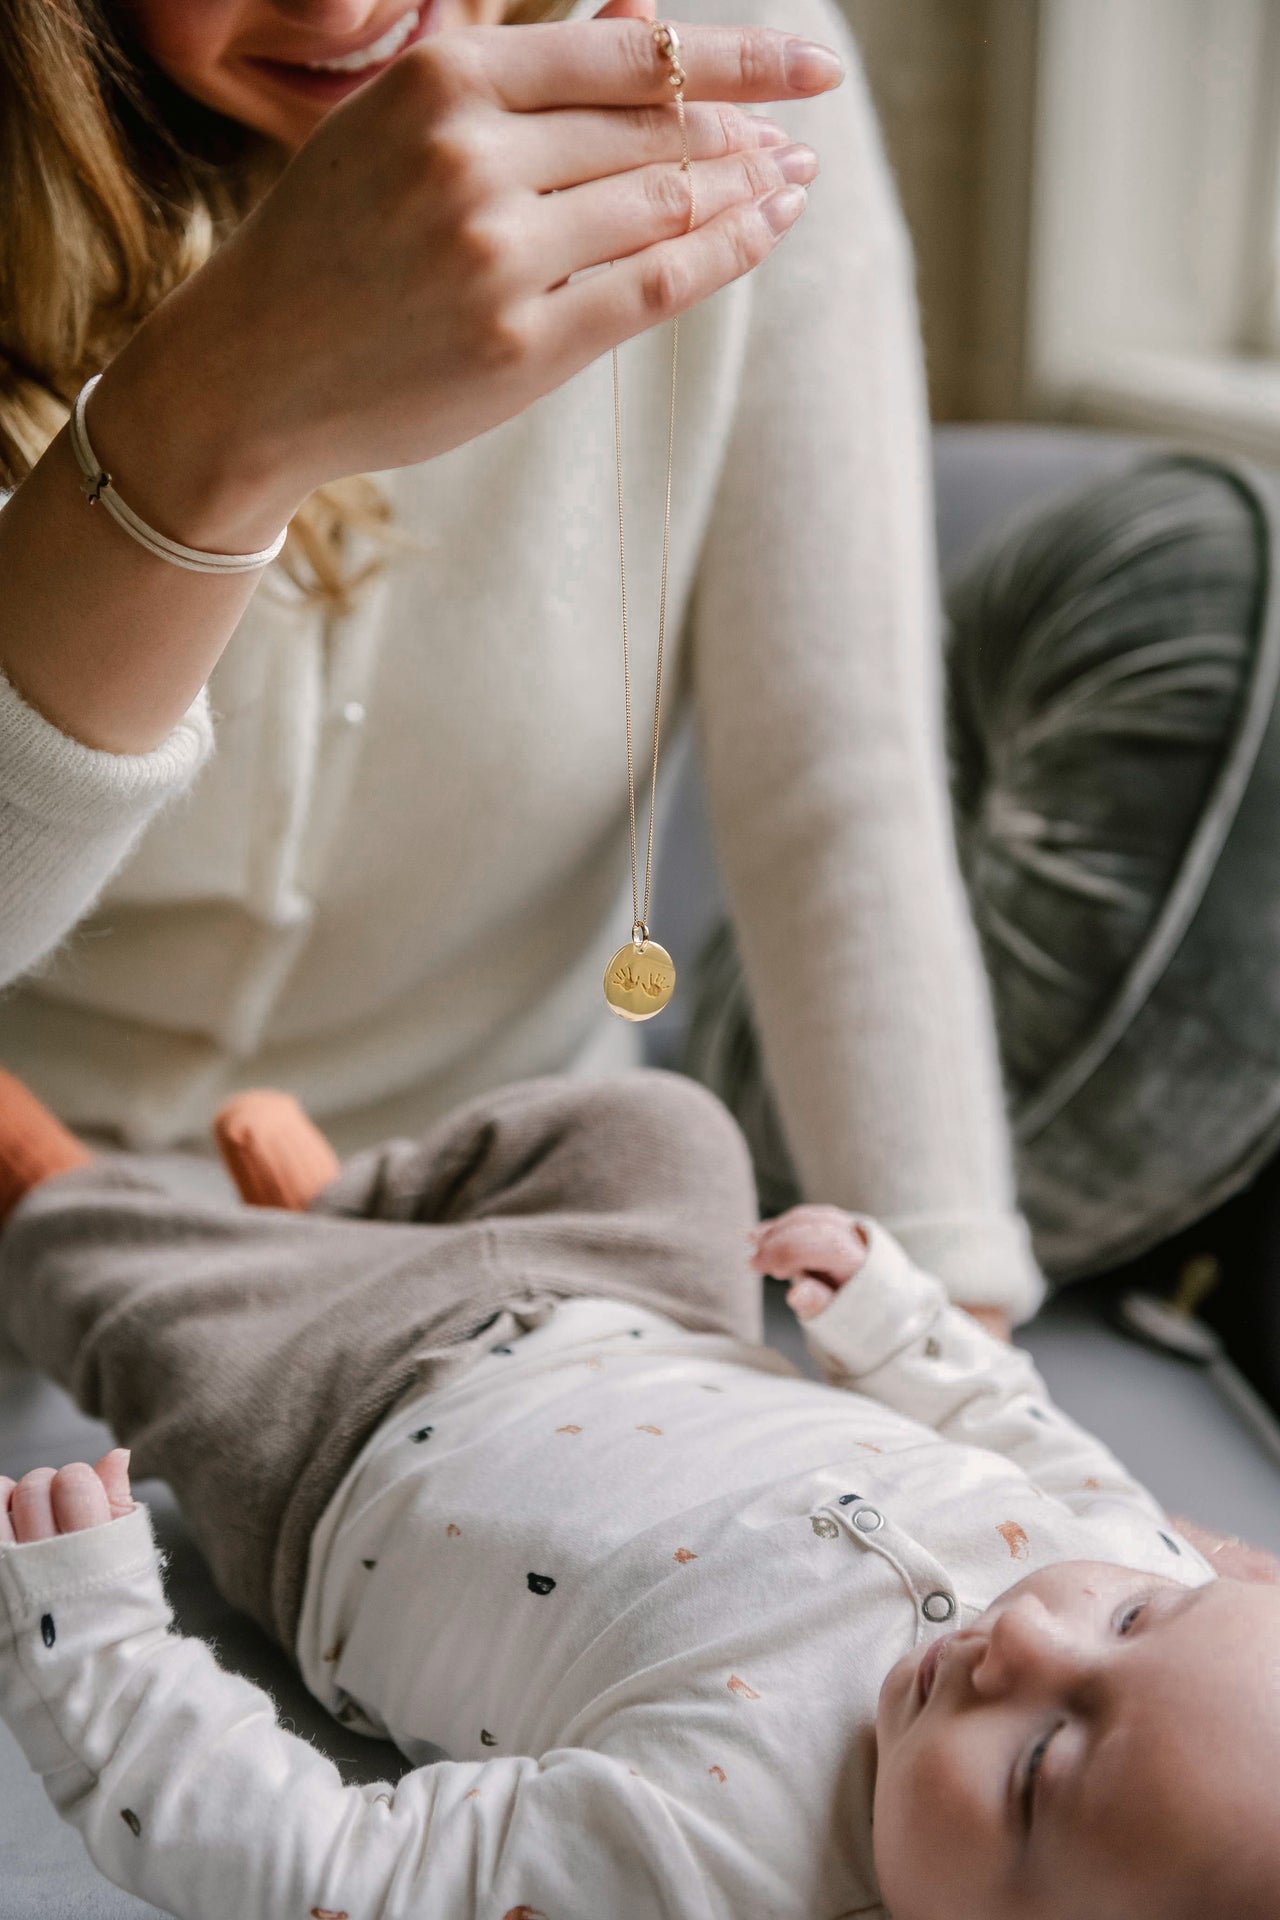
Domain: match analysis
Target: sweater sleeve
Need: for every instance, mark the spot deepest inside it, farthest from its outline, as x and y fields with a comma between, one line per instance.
x=189, y=1793
x=69, y=815
x=816, y=645
x=891, y=1333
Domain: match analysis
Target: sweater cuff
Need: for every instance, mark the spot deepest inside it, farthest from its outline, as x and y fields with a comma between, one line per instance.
x=888, y=1305
x=64, y=1604
x=36, y=1575
x=60, y=781
x=982, y=1259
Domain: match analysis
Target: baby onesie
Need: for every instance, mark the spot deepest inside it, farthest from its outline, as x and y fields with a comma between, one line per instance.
x=642, y=1586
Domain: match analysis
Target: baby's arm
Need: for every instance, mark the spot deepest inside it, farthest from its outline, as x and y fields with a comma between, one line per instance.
x=188, y=1793
x=877, y=1324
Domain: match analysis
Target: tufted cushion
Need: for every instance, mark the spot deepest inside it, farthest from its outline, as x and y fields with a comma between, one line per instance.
x=1113, y=665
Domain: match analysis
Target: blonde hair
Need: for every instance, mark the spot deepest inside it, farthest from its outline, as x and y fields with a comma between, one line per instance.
x=118, y=186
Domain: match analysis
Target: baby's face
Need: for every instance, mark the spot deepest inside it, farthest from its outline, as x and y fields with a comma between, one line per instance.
x=1161, y=1707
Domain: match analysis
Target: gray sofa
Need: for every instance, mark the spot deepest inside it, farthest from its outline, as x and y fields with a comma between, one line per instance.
x=1161, y=1415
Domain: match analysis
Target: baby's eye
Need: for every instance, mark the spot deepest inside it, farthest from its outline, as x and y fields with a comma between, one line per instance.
x=1129, y=1612
x=1038, y=1752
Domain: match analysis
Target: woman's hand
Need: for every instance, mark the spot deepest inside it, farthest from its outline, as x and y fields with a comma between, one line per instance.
x=51, y=1500
x=404, y=286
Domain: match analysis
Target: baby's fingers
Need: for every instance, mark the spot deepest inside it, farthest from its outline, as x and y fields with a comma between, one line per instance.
x=31, y=1506
x=812, y=1241
x=808, y=1298
x=78, y=1499
x=113, y=1471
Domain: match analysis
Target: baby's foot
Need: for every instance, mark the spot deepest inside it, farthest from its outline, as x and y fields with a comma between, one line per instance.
x=274, y=1153
x=49, y=1500
x=817, y=1248
x=33, y=1144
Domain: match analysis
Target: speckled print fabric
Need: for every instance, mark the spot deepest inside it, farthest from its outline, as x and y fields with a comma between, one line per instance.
x=246, y=1354
x=642, y=1585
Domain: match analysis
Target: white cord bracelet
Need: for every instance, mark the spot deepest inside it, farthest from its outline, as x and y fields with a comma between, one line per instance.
x=96, y=486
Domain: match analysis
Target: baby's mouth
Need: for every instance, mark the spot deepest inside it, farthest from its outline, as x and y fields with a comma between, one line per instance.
x=926, y=1672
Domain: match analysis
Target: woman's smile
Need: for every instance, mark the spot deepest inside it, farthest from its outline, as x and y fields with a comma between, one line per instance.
x=330, y=77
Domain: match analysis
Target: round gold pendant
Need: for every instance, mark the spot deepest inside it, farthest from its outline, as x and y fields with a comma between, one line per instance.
x=639, y=980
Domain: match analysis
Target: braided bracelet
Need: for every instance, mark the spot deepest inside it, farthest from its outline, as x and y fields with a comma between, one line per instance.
x=96, y=485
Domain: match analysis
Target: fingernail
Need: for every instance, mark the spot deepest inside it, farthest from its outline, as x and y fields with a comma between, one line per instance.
x=781, y=208
x=768, y=133
x=810, y=64
x=798, y=163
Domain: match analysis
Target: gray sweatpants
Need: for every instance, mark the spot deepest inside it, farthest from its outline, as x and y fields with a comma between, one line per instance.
x=246, y=1354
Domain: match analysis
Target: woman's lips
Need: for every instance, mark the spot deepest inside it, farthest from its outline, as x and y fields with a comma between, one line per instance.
x=332, y=87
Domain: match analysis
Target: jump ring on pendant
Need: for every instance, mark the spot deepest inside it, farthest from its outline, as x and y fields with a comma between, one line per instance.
x=639, y=933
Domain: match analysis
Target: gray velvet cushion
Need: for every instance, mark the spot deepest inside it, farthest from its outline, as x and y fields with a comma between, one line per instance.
x=1113, y=669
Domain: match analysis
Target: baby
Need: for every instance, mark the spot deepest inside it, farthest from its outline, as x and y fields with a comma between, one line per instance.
x=705, y=1639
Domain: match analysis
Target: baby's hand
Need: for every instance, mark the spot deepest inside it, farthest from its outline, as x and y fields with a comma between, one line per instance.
x=817, y=1248
x=49, y=1500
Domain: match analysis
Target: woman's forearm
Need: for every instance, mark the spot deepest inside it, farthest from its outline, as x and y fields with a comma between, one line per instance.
x=108, y=642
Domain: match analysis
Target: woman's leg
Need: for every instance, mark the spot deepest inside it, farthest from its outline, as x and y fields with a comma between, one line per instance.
x=245, y=1354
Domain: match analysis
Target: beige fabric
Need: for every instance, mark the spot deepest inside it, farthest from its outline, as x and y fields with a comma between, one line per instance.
x=245, y=1355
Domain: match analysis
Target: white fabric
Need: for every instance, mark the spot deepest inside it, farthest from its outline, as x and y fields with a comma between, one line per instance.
x=69, y=815
x=680, y=1727
x=397, y=883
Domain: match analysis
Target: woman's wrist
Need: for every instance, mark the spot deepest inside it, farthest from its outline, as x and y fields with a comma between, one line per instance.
x=181, y=445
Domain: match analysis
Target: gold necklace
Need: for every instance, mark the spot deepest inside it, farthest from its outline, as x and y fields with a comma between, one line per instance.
x=641, y=977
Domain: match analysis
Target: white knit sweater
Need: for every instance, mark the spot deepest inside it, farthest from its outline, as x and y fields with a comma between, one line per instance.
x=397, y=879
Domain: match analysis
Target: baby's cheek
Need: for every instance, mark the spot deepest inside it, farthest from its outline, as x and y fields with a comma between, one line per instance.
x=929, y=1834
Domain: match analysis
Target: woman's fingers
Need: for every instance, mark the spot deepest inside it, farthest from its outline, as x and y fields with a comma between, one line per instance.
x=599, y=310
x=612, y=219
x=616, y=63
x=31, y=1506
x=551, y=151
x=113, y=1471
x=6, y=1524
x=78, y=1498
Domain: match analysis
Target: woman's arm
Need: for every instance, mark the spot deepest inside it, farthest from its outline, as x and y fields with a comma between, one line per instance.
x=395, y=294
x=817, y=662
x=108, y=643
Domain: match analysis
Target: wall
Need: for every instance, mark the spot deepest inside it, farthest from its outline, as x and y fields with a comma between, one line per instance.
x=952, y=85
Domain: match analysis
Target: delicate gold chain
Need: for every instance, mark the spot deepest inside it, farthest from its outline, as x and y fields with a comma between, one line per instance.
x=666, y=39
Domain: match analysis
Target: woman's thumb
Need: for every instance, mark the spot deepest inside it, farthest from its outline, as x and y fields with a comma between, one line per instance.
x=626, y=10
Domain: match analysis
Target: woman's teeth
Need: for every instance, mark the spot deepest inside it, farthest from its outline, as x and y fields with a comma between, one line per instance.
x=390, y=43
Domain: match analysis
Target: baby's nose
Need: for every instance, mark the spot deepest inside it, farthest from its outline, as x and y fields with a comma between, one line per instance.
x=1028, y=1643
